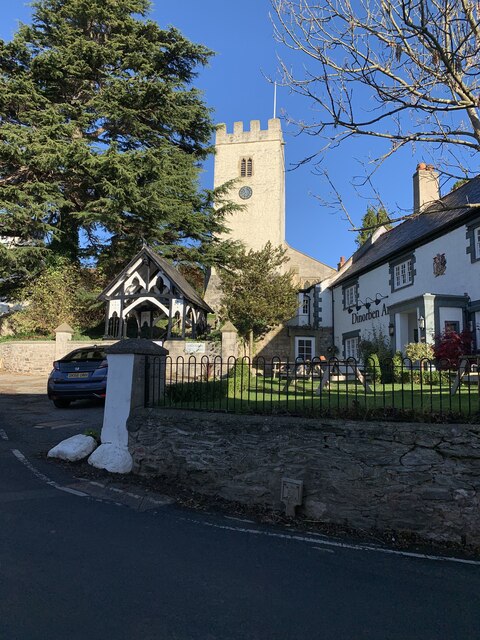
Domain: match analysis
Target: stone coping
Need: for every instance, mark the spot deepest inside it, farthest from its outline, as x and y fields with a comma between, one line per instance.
x=137, y=346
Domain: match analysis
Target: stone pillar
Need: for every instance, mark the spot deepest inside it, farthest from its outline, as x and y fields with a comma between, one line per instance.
x=430, y=329
x=63, y=335
x=125, y=391
x=229, y=341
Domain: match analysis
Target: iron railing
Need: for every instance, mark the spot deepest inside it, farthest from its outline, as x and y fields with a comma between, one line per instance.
x=395, y=388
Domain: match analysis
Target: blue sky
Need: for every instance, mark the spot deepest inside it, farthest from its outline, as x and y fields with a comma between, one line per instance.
x=236, y=88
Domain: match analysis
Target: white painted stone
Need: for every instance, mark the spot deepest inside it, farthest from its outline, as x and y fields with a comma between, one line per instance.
x=112, y=455
x=118, y=399
x=74, y=448
x=112, y=458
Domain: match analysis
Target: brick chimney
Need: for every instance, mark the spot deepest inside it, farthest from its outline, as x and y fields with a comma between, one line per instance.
x=425, y=187
x=341, y=263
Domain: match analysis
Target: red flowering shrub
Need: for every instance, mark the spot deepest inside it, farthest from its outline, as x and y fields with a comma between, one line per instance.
x=450, y=346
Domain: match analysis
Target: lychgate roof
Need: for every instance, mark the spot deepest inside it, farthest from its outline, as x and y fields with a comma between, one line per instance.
x=181, y=284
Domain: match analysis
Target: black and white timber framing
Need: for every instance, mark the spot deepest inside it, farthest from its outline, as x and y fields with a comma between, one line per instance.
x=150, y=298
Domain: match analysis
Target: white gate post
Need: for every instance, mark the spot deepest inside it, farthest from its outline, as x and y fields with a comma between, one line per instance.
x=125, y=391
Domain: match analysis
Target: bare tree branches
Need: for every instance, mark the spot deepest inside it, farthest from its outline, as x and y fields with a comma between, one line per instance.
x=405, y=71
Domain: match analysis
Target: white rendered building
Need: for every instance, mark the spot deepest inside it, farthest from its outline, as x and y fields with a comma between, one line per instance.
x=417, y=280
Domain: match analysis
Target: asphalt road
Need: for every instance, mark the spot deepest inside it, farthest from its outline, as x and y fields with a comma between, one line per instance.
x=83, y=562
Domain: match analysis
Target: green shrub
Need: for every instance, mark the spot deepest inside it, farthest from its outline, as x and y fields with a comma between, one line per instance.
x=196, y=392
x=93, y=434
x=377, y=346
x=419, y=351
x=401, y=369
x=433, y=378
x=378, y=343
x=63, y=292
x=239, y=378
x=372, y=367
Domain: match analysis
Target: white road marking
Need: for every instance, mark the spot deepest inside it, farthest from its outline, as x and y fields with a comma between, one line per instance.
x=3, y=434
x=58, y=425
x=38, y=474
x=315, y=541
x=129, y=494
x=239, y=519
x=72, y=491
x=334, y=543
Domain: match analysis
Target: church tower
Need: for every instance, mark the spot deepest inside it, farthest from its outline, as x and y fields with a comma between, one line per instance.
x=256, y=160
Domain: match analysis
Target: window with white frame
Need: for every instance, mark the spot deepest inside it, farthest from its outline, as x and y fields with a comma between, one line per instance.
x=476, y=236
x=351, y=296
x=304, y=348
x=306, y=304
x=403, y=274
x=351, y=348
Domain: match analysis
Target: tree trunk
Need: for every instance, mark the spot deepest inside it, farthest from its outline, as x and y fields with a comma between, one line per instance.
x=250, y=345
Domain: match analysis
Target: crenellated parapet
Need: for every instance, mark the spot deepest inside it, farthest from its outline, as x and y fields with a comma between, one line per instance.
x=254, y=134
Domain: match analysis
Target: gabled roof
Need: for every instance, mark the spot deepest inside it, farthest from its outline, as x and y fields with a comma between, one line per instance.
x=169, y=270
x=444, y=214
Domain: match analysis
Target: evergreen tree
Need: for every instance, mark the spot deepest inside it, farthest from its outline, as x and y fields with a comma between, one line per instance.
x=101, y=136
x=257, y=296
x=372, y=219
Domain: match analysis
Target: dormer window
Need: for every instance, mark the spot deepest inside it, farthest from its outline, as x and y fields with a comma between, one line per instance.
x=305, y=305
x=246, y=168
x=350, y=295
x=402, y=272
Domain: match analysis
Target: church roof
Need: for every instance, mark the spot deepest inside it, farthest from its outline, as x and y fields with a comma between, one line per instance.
x=444, y=214
x=169, y=270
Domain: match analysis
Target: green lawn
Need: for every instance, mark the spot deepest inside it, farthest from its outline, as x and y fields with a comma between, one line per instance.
x=266, y=395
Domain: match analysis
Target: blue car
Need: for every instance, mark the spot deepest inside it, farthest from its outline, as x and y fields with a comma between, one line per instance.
x=81, y=374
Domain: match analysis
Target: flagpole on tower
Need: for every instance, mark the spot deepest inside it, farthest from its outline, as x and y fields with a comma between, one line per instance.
x=275, y=99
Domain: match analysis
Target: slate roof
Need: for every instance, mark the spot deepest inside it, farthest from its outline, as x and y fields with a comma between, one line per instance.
x=170, y=271
x=444, y=214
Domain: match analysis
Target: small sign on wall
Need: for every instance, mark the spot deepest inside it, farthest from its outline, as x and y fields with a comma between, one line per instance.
x=194, y=347
x=439, y=264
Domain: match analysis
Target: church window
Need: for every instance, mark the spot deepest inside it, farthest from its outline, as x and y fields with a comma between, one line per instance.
x=246, y=167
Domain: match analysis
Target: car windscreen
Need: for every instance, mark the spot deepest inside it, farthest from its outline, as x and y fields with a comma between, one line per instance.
x=85, y=355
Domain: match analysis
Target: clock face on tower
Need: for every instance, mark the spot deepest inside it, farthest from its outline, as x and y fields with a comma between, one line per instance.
x=245, y=193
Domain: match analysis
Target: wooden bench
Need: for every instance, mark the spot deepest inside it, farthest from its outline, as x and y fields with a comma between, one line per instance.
x=292, y=373
x=468, y=372
x=338, y=371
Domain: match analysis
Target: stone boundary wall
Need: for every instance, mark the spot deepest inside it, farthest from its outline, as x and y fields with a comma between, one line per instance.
x=178, y=348
x=36, y=356
x=416, y=478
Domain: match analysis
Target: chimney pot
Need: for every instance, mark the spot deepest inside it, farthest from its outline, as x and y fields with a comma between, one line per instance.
x=341, y=263
x=425, y=187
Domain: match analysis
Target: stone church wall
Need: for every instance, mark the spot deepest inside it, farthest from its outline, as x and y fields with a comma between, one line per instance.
x=307, y=270
x=396, y=477
x=280, y=342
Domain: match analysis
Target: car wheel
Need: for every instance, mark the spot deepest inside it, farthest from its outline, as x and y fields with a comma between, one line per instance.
x=61, y=404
